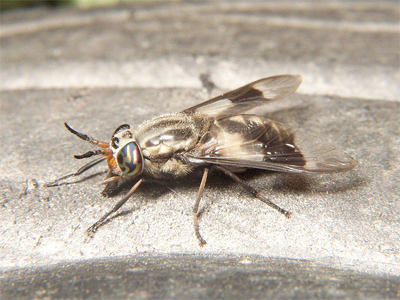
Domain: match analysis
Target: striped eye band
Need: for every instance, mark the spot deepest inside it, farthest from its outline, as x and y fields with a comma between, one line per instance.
x=130, y=159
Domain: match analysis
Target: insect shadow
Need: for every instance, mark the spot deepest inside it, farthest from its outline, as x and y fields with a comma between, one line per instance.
x=83, y=179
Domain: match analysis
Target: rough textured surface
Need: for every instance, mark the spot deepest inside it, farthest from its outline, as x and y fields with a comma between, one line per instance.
x=102, y=68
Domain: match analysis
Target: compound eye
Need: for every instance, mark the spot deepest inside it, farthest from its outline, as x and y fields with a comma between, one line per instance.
x=130, y=159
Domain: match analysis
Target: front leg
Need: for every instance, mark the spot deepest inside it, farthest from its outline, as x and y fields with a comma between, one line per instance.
x=92, y=229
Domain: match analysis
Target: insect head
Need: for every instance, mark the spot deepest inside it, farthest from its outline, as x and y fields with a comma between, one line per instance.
x=127, y=152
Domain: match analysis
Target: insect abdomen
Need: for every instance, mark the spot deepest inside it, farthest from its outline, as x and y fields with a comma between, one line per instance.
x=250, y=137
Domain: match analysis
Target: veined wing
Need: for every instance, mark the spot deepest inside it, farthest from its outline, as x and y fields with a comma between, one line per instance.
x=250, y=141
x=249, y=96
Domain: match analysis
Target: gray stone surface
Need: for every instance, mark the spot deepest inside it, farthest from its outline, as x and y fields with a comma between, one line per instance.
x=348, y=50
x=195, y=277
x=101, y=68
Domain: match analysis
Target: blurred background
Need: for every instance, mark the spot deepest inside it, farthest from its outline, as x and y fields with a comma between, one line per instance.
x=13, y=4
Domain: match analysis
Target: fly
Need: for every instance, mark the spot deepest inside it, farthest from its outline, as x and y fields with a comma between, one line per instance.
x=214, y=134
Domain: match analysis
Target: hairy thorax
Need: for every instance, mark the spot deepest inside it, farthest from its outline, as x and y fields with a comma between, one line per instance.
x=164, y=138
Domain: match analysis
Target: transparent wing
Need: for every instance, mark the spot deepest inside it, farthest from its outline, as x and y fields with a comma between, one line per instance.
x=249, y=141
x=249, y=96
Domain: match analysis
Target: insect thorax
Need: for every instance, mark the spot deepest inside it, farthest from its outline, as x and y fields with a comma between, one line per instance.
x=162, y=138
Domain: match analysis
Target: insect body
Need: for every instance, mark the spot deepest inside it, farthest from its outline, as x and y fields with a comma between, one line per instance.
x=215, y=134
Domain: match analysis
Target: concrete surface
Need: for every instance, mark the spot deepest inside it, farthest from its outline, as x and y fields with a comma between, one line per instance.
x=195, y=277
x=101, y=68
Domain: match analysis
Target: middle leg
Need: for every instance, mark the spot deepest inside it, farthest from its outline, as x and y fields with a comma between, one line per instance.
x=202, y=242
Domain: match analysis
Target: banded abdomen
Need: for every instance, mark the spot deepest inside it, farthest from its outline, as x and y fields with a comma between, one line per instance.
x=255, y=142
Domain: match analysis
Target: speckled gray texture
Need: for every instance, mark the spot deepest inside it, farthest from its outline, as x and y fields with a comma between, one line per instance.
x=338, y=218
x=102, y=68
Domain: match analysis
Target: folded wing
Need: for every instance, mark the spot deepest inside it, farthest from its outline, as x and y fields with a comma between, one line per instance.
x=247, y=97
x=250, y=141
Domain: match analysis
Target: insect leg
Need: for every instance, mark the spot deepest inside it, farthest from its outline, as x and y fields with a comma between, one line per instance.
x=92, y=229
x=196, y=208
x=79, y=172
x=254, y=192
x=111, y=180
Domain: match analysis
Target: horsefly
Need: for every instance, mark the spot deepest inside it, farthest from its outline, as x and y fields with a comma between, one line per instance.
x=214, y=134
